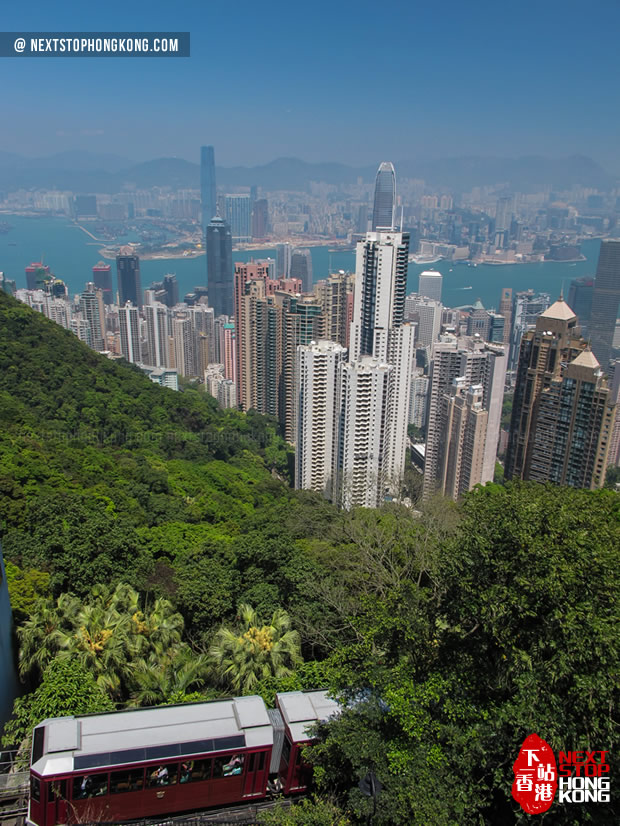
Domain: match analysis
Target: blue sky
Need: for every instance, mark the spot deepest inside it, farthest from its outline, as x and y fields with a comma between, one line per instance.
x=324, y=81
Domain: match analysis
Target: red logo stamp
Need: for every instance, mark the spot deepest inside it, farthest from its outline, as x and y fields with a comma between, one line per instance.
x=536, y=776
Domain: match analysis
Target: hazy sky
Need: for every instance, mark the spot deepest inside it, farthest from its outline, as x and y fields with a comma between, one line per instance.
x=344, y=81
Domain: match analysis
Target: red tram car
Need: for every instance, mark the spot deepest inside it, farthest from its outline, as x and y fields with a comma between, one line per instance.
x=172, y=759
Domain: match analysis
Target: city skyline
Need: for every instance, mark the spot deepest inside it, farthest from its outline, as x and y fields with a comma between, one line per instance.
x=549, y=99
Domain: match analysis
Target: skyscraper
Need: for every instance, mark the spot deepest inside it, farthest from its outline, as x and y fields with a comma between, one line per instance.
x=158, y=334
x=102, y=278
x=385, y=197
x=605, y=301
x=464, y=425
x=260, y=218
x=92, y=309
x=478, y=363
x=505, y=309
x=318, y=405
x=427, y=314
x=207, y=185
x=562, y=413
x=129, y=322
x=430, y=285
x=301, y=267
x=238, y=212
x=335, y=295
x=380, y=285
x=128, y=277
x=283, y=260
x=580, y=294
x=219, y=266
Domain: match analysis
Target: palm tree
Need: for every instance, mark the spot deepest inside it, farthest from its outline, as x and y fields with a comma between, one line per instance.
x=156, y=679
x=253, y=652
x=40, y=637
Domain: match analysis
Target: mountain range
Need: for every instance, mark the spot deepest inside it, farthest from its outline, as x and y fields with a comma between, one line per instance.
x=85, y=172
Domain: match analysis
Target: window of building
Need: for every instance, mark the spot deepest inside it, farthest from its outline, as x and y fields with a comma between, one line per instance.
x=196, y=770
x=163, y=775
x=131, y=780
x=228, y=766
x=90, y=785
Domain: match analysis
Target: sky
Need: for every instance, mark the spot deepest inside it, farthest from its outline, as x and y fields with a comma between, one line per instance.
x=353, y=82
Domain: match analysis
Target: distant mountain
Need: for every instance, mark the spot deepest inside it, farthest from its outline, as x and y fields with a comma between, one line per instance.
x=85, y=172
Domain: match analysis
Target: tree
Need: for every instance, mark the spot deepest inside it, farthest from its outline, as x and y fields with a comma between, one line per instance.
x=310, y=812
x=25, y=588
x=251, y=652
x=66, y=688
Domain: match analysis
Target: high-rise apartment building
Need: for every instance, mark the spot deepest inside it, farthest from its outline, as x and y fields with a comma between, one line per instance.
x=102, y=278
x=220, y=266
x=418, y=398
x=93, y=310
x=526, y=308
x=129, y=322
x=158, y=334
x=301, y=267
x=477, y=363
x=335, y=295
x=208, y=204
x=318, y=406
x=464, y=422
x=364, y=445
x=385, y=198
x=380, y=284
x=580, y=295
x=427, y=314
x=613, y=458
x=430, y=283
x=505, y=309
x=283, y=260
x=605, y=301
x=260, y=218
x=37, y=275
x=562, y=415
x=128, y=278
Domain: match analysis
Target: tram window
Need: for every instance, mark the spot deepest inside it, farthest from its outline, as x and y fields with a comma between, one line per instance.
x=228, y=766
x=163, y=775
x=35, y=788
x=90, y=785
x=251, y=763
x=58, y=790
x=261, y=761
x=127, y=781
x=198, y=770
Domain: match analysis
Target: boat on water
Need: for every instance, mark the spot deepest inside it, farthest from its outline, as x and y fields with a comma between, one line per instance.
x=467, y=288
x=424, y=259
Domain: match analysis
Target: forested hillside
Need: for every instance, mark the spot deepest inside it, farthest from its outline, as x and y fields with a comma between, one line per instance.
x=156, y=554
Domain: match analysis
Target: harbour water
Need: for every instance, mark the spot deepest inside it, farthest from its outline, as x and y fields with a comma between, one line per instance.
x=71, y=254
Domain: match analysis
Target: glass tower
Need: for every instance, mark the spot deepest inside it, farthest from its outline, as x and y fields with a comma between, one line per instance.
x=220, y=267
x=385, y=197
x=207, y=185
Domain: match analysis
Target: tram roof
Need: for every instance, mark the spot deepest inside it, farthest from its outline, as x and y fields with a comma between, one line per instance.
x=301, y=709
x=94, y=741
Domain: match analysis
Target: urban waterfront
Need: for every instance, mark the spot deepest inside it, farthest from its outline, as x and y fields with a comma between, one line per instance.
x=71, y=255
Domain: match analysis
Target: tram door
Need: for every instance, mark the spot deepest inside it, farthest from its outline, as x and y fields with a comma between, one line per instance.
x=56, y=807
x=255, y=781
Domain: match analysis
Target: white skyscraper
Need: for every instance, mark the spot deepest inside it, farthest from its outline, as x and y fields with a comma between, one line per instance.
x=418, y=397
x=318, y=404
x=427, y=313
x=365, y=432
x=477, y=363
x=158, y=333
x=129, y=321
x=430, y=283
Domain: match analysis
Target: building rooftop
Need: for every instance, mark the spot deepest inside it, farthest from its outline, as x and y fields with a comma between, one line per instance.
x=560, y=311
x=586, y=359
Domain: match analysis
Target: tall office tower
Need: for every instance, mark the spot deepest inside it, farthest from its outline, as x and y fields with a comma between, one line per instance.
x=335, y=295
x=364, y=442
x=102, y=278
x=238, y=216
x=208, y=204
x=129, y=321
x=158, y=334
x=503, y=213
x=613, y=458
x=93, y=310
x=427, y=314
x=220, y=266
x=283, y=260
x=128, y=278
x=317, y=413
x=430, y=285
x=418, y=398
x=580, y=294
x=301, y=267
x=37, y=275
x=505, y=309
x=171, y=287
x=479, y=321
x=260, y=218
x=477, y=362
x=401, y=355
x=527, y=307
x=380, y=283
x=497, y=324
x=605, y=301
x=562, y=411
x=464, y=421
x=385, y=198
